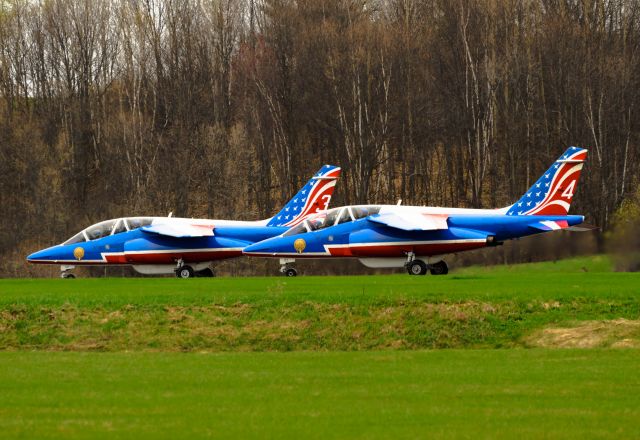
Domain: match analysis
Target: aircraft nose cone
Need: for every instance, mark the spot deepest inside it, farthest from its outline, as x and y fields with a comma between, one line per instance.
x=42, y=255
x=35, y=256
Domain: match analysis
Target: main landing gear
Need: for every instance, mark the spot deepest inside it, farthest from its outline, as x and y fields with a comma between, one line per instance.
x=206, y=273
x=185, y=271
x=419, y=267
x=439, y=268
x=286, y=268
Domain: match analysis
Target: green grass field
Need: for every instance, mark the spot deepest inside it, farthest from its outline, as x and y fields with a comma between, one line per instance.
x=396, y=394
x=325, y=357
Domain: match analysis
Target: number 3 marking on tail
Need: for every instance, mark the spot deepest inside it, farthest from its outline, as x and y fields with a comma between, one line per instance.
x=568, y=193
x=326, y=199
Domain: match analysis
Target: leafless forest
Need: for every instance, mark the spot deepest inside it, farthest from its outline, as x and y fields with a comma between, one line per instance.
x=222, y=108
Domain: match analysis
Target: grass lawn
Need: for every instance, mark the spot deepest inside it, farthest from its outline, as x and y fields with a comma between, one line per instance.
x=390, y=394
x=589, y=277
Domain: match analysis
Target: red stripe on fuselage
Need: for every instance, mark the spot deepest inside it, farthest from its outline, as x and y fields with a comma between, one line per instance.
x=423, y=249
x=115, y=259
x=172, y=257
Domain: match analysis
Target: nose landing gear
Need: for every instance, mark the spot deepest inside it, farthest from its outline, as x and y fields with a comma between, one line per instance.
x=286, y=269
x=65, y=272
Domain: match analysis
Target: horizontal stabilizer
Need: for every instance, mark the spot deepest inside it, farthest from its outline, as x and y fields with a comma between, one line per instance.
x=583, y=228
x=179, y=230
x=411, y=222
x=554, y=225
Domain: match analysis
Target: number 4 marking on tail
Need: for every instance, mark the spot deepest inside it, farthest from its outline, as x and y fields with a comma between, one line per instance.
x=568, y=193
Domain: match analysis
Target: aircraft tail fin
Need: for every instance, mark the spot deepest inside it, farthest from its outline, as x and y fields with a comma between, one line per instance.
x=314, y=196
x=553, y=191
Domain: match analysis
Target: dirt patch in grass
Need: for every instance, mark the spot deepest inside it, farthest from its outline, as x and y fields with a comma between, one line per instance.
x=615, y=333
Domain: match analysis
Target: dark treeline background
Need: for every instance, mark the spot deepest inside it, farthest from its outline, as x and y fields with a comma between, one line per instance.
x=222, y=108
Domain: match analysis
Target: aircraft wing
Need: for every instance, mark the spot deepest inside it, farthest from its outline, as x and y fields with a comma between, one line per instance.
x=411, y=222
x=179, y=230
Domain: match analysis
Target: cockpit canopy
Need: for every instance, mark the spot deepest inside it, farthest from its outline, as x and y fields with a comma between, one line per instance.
x=109, y=227
x=333, y=217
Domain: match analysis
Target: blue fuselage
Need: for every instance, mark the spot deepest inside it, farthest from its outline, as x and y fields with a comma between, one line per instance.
x=139, y=247
x=364, y=238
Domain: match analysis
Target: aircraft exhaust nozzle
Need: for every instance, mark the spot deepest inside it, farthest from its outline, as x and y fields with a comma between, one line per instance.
x=491, y=241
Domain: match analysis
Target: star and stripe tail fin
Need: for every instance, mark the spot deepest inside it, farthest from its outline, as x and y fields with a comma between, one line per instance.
x=553, y=191
x=313, y=197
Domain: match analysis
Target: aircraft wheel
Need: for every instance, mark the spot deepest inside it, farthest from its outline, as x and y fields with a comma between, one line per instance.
x=206, y=273
x=185, y=272
x=291, y=272
x=440, y=268
x=417, y=267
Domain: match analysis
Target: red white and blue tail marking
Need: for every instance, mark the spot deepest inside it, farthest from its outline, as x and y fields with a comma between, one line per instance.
x=553, y=191
x=312, y=198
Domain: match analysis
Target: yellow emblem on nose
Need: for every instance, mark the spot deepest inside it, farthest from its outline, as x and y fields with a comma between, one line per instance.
x=78, y=253
x=299, y=245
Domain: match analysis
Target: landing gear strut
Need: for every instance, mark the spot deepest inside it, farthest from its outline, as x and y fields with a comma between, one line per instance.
x=286, y=268
x=183, y=270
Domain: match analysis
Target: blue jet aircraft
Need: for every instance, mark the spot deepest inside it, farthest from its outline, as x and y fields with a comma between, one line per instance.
x=161, y=245
x=419, y=237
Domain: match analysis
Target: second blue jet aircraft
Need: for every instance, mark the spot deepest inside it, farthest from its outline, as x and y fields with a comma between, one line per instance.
x=419, y=237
